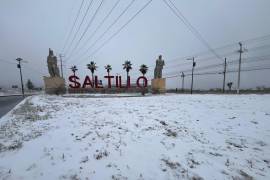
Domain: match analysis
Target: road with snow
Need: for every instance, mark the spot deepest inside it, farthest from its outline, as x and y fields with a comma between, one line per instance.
x=7, y=103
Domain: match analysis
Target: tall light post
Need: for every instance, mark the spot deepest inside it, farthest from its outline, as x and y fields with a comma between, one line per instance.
x=193, y=66
x=20, y=67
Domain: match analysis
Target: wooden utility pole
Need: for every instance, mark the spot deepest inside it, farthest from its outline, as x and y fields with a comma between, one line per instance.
x=239, y=67
x=61, y=64
x=20, y=67
x=224, y=75
x=193, y=66
x=183, y=81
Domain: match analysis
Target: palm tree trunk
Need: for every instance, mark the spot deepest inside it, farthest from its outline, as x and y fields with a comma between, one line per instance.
x=143, y=81
x=143, y=91
x=127, y=79
x=93, y=81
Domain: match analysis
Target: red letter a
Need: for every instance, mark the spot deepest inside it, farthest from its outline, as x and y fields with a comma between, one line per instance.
x=87, y=81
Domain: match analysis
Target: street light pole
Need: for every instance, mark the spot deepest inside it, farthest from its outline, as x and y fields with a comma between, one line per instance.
x=20, y=67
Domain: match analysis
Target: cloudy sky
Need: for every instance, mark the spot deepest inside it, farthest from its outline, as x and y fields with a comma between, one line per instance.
x=30, y=27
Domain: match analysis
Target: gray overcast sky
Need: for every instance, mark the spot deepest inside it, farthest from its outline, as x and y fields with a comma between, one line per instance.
x=30, y=27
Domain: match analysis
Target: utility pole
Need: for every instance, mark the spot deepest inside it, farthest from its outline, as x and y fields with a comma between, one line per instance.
x=193, y=65
x=20, y=67
x=239, y=67
x=183, y=80
x=224, y=75
x=61, y=64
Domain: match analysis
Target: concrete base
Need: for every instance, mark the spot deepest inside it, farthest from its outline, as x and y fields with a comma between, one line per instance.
x=158, y=86
x=54, y=85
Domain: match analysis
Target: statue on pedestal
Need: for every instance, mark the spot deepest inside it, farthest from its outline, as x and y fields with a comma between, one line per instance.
x=159, y=66
x=53, y=84
x=52, y=64
x=158, y=84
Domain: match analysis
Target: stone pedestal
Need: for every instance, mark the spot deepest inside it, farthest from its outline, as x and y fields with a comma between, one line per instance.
x=158, y=85
x=54, y=85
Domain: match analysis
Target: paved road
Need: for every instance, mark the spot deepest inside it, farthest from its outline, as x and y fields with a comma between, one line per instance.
x=7, y=103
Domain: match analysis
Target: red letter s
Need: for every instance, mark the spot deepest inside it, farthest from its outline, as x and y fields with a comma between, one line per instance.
x=73, y=79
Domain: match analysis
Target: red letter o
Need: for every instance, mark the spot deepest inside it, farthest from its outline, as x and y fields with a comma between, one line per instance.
x=144, y=82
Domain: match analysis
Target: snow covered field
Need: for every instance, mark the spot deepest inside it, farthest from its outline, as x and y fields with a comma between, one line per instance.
x=154, y=137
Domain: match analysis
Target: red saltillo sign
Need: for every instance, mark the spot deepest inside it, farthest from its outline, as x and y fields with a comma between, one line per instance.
x=94, y=83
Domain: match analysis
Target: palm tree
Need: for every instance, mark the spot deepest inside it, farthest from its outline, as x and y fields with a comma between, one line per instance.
x=127, y=66
x=92, y=67
x=74, y=69
x=108, y=67
x=230, y=85
x=143, y=69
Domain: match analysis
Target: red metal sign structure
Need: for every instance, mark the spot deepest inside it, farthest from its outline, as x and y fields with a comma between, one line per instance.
x=94, y=83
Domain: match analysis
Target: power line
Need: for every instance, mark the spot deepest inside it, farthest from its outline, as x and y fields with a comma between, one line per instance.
x=26, y=66
x=251, y=40
x=195, y=32
x=5, y=61
x=245, y=60
x=121, y=28
x=205, y=59
x=108, y=28
x=35, y=70
x=100, y=24
x=79, y=27
x=259, y=47
x=219, y=72
x=260, y=38
x=220, y=65
x=210, y=58
x=250, y=60
x=253, y=69
x=86, y=29
x=74, y=23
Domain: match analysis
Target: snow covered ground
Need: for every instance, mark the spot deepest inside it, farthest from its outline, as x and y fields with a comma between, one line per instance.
x=152, y=137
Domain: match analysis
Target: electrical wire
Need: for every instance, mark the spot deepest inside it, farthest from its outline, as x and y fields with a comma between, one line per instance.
x=73, y=26
x=79, y=27
x=193, y=30
x=217, y=72
x=100, y=24
x=86, y=29
x=107, y=29
x=121, y=28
